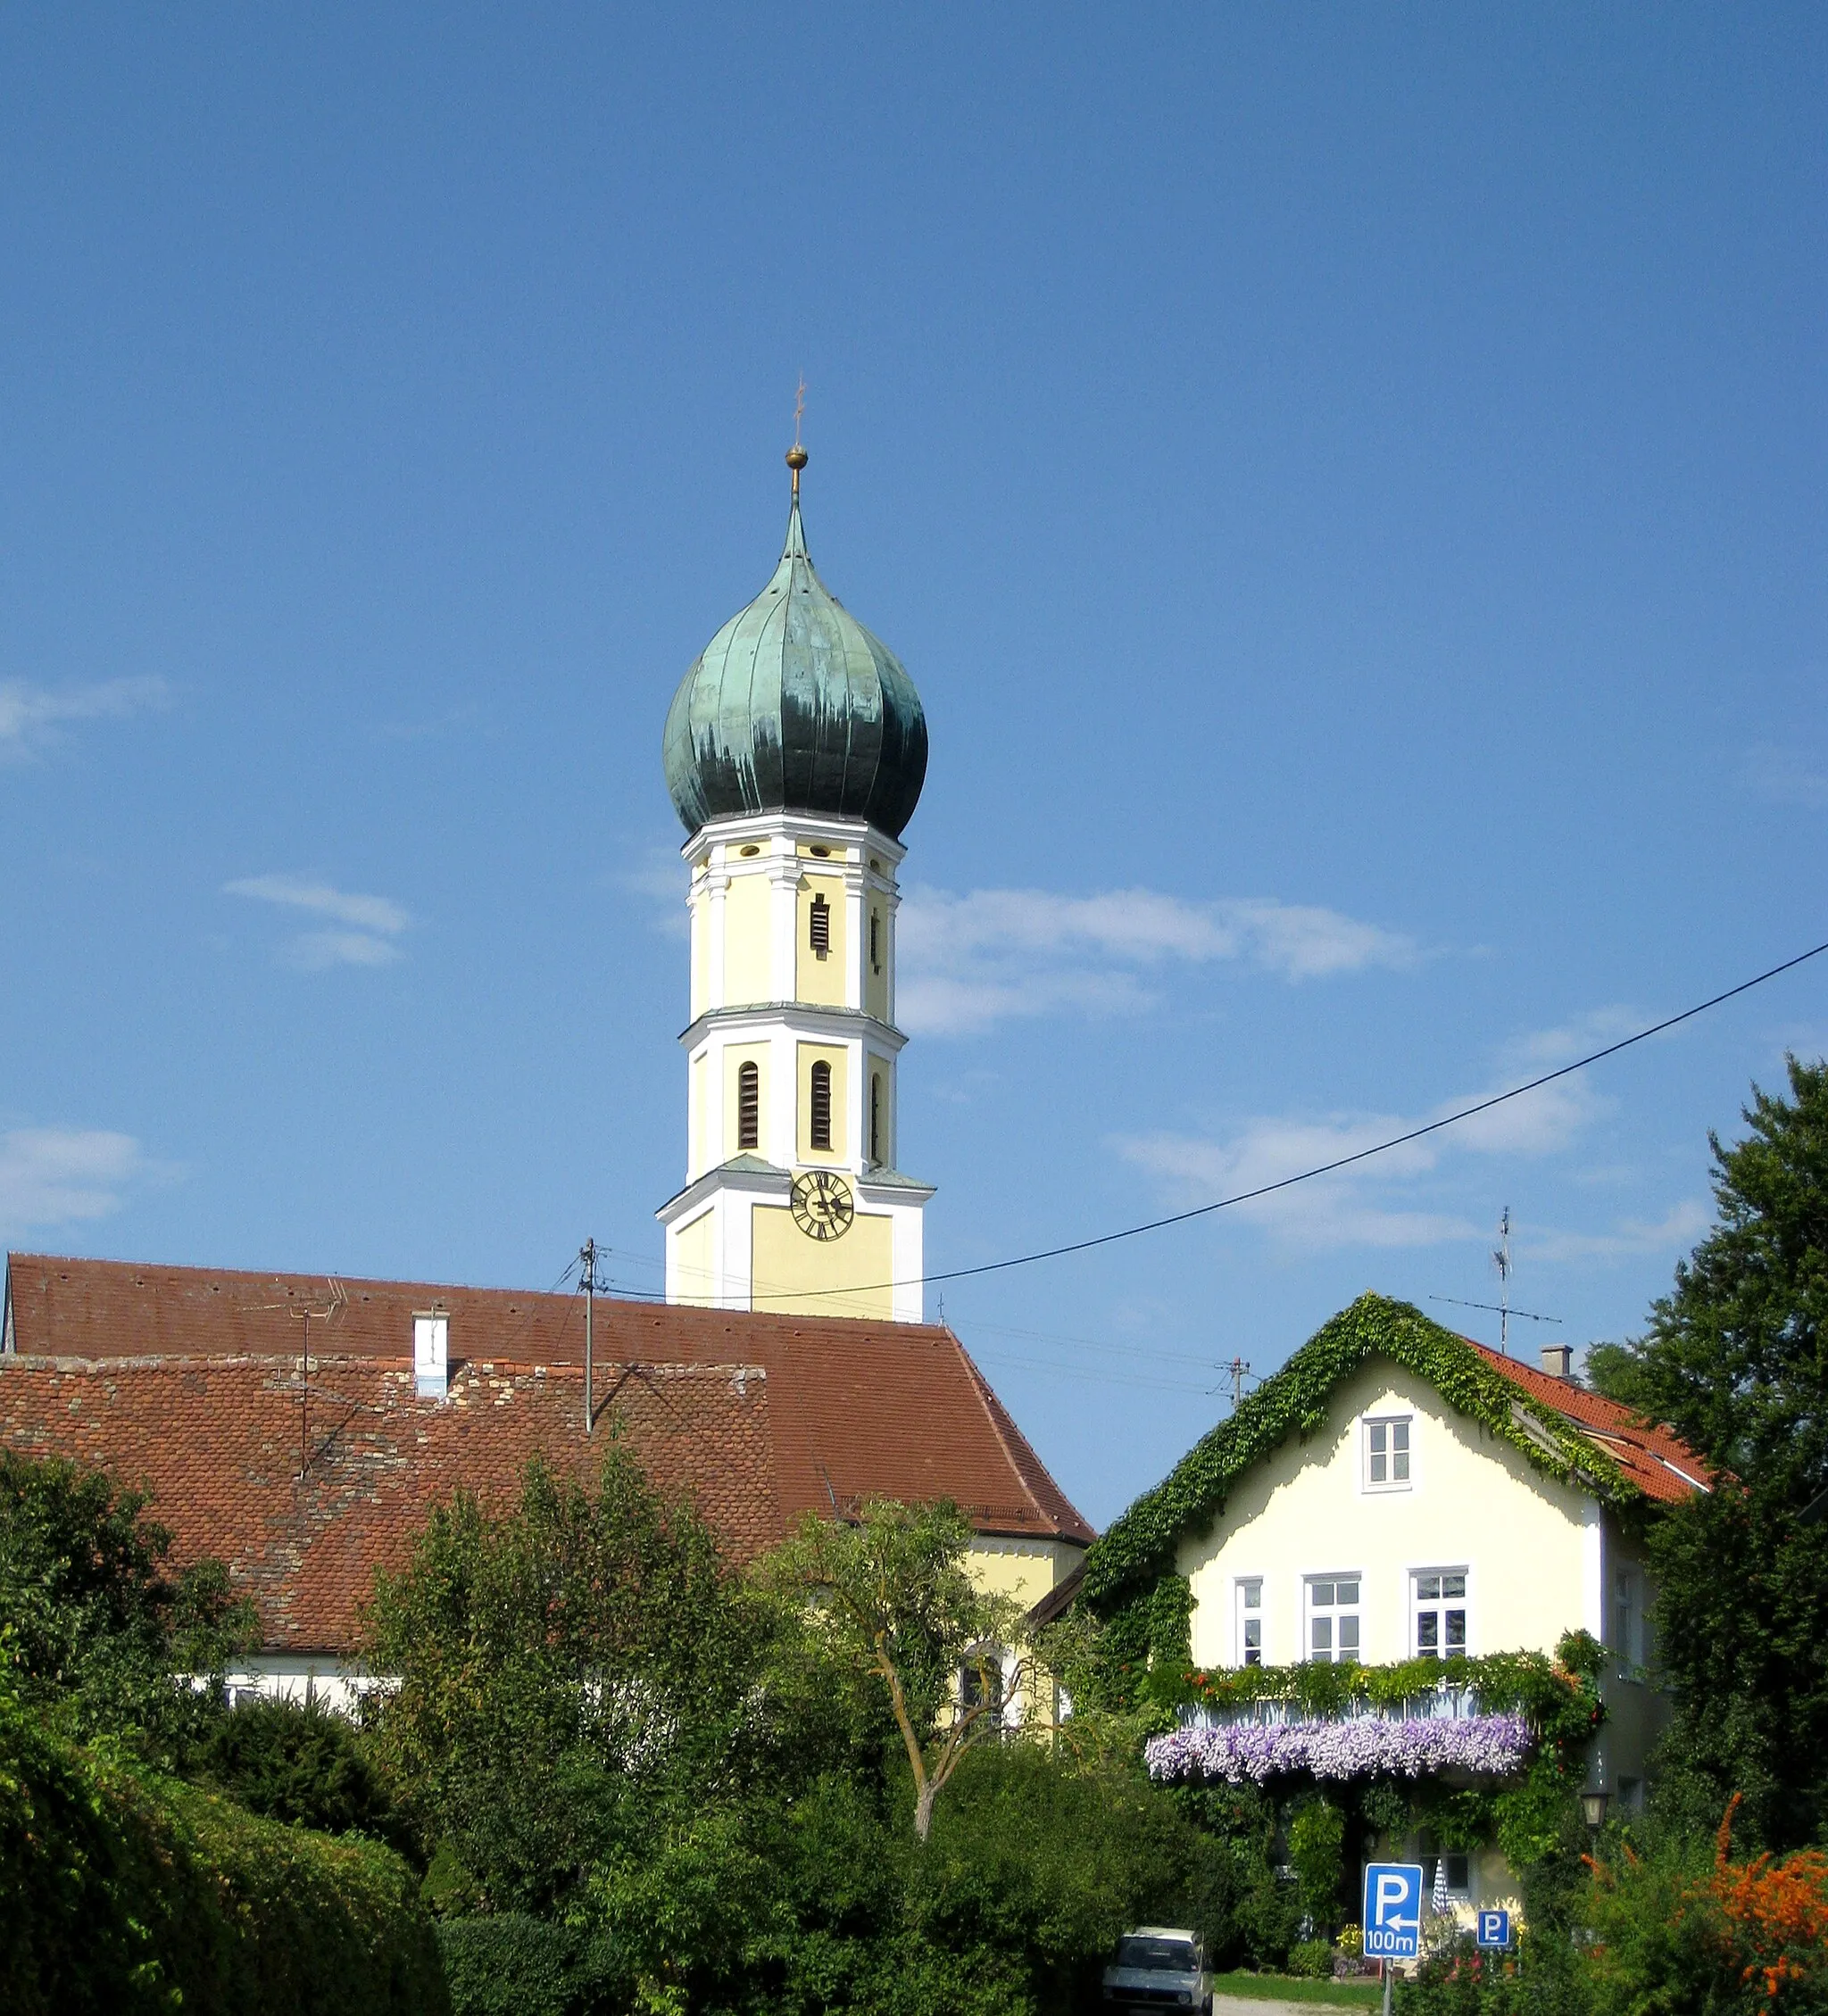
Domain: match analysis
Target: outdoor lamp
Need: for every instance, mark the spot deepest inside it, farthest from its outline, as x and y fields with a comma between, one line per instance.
x=1593, y=1809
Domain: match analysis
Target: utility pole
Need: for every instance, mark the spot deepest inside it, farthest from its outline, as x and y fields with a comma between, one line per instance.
x=1237, y=1368
x=587, y=1255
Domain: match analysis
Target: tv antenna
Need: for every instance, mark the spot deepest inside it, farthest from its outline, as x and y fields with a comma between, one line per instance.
x=1502, y=1309
x=304, y=1313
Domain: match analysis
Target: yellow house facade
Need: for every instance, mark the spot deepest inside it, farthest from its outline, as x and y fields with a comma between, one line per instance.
x=1399, y=1494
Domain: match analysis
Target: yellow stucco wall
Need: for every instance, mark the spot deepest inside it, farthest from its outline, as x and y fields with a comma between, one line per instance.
x=875, y=978
x=821, y=980
x=734, y=1058
x=695, y=1254
x=1473, y=1503
x=789, y=1270
x=838, y=1058
x=748, y=941
x=1024, y=1569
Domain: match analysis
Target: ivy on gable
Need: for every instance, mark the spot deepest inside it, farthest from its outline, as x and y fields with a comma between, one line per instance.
x=1139, y=1548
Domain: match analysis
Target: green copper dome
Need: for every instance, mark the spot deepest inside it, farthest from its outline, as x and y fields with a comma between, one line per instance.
x=794, y=706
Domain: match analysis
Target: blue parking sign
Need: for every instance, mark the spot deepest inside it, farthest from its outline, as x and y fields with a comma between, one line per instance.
x=1393, y=1910
x=1495, y=1928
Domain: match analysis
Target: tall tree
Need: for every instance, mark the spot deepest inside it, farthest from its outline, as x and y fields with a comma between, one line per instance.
x=1736, y=1359
x=563, y=1665
x=887, y=1594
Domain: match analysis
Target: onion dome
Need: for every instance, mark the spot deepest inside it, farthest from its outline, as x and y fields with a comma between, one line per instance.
x=794, y=706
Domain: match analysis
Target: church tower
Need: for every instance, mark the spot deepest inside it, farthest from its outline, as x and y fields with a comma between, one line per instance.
x=795, y=749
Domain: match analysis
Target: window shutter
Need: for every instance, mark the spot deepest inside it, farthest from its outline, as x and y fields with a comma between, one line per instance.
x=822, y=1105
x=819, y=926
x=748, y=1106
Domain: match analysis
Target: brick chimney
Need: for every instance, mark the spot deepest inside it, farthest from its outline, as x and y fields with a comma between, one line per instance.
x=1559, y=1360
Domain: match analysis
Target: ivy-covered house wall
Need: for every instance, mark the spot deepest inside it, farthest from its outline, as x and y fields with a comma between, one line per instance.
x=1501, y=1535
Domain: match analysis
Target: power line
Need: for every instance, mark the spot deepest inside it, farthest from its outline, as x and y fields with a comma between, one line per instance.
x=1343, y=1161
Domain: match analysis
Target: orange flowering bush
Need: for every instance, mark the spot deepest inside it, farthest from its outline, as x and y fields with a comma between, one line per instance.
x=1774, y=1915
x=1675, y=1934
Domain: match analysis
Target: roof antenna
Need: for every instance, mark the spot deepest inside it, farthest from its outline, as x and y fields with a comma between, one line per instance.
x=1502, y=1309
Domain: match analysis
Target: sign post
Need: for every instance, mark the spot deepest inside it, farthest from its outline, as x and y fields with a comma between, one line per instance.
x=1393, y=1915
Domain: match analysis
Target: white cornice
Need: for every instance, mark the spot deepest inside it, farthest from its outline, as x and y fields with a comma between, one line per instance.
x=804, y=1018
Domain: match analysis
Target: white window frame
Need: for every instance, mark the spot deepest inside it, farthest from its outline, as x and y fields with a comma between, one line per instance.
x=1417, y=1604
x=1242, y=1611
x=1333, y=1612
x=1386, y=1423
x=1628, y=1596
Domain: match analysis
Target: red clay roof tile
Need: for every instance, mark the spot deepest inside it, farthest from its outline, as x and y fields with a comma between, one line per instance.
x=189, y=1380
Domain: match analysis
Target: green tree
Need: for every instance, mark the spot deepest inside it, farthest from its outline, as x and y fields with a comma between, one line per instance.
x=95, y=1625
x=888, y=1594
x=1733, y=1358
x=565, y=1669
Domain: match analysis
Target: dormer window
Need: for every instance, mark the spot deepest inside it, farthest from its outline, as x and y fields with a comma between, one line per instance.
x=821, y=1117
x=749, y=1105
x=819, y=926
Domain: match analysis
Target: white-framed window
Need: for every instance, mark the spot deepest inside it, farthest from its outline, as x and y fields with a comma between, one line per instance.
x=1390, y=1449
x=1628, y=1616
x=1438, y=1613
x=1331, y=1602
x=1249, y=1609
x=1459, y=1873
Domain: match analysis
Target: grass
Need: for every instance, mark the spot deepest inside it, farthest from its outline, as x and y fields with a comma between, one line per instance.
x=1292, y=1987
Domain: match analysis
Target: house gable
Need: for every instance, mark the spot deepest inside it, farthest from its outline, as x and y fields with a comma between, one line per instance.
x=1473, y=1505
x=1297, y=1403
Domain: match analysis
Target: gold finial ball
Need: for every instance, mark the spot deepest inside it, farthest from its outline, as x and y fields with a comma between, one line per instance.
x=796, y=458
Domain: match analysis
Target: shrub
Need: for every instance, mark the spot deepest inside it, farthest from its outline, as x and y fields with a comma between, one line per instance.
x=514, y=1965
x=1311, y=1958
x=127, y=1892
x=296, y=1761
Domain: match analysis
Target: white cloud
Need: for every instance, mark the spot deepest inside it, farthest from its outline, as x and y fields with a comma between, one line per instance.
x=33, y=716
x=371, y=923
x=57, y=1175
x=1784, y=776
x=970, y=961
x=1372, y=1203
x=1680, y=1226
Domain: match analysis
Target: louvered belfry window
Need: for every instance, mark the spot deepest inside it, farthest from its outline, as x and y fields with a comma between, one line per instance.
x=822, y=1106
x=821, y=926
x=875, y=942
x=876, y=1117
x=749, y=1105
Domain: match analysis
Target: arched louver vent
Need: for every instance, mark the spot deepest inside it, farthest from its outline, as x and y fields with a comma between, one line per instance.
x=820, y=926
x=749, y=1105
x=822, y=1106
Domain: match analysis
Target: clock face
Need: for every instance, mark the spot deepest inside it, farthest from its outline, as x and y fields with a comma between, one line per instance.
x=822, y=1205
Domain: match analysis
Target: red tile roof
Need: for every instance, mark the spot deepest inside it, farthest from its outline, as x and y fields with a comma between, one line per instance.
x=189, y=1380
x=1656, y=1462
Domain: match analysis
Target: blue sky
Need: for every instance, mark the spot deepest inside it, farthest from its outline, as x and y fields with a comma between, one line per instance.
x=1347, y=483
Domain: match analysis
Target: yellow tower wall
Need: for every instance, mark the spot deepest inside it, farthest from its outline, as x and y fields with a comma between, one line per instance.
x=821, y=980
x=795, y=1274
x=748, y=941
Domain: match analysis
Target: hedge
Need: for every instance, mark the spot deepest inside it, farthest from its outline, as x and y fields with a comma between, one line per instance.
x=128, y=1892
